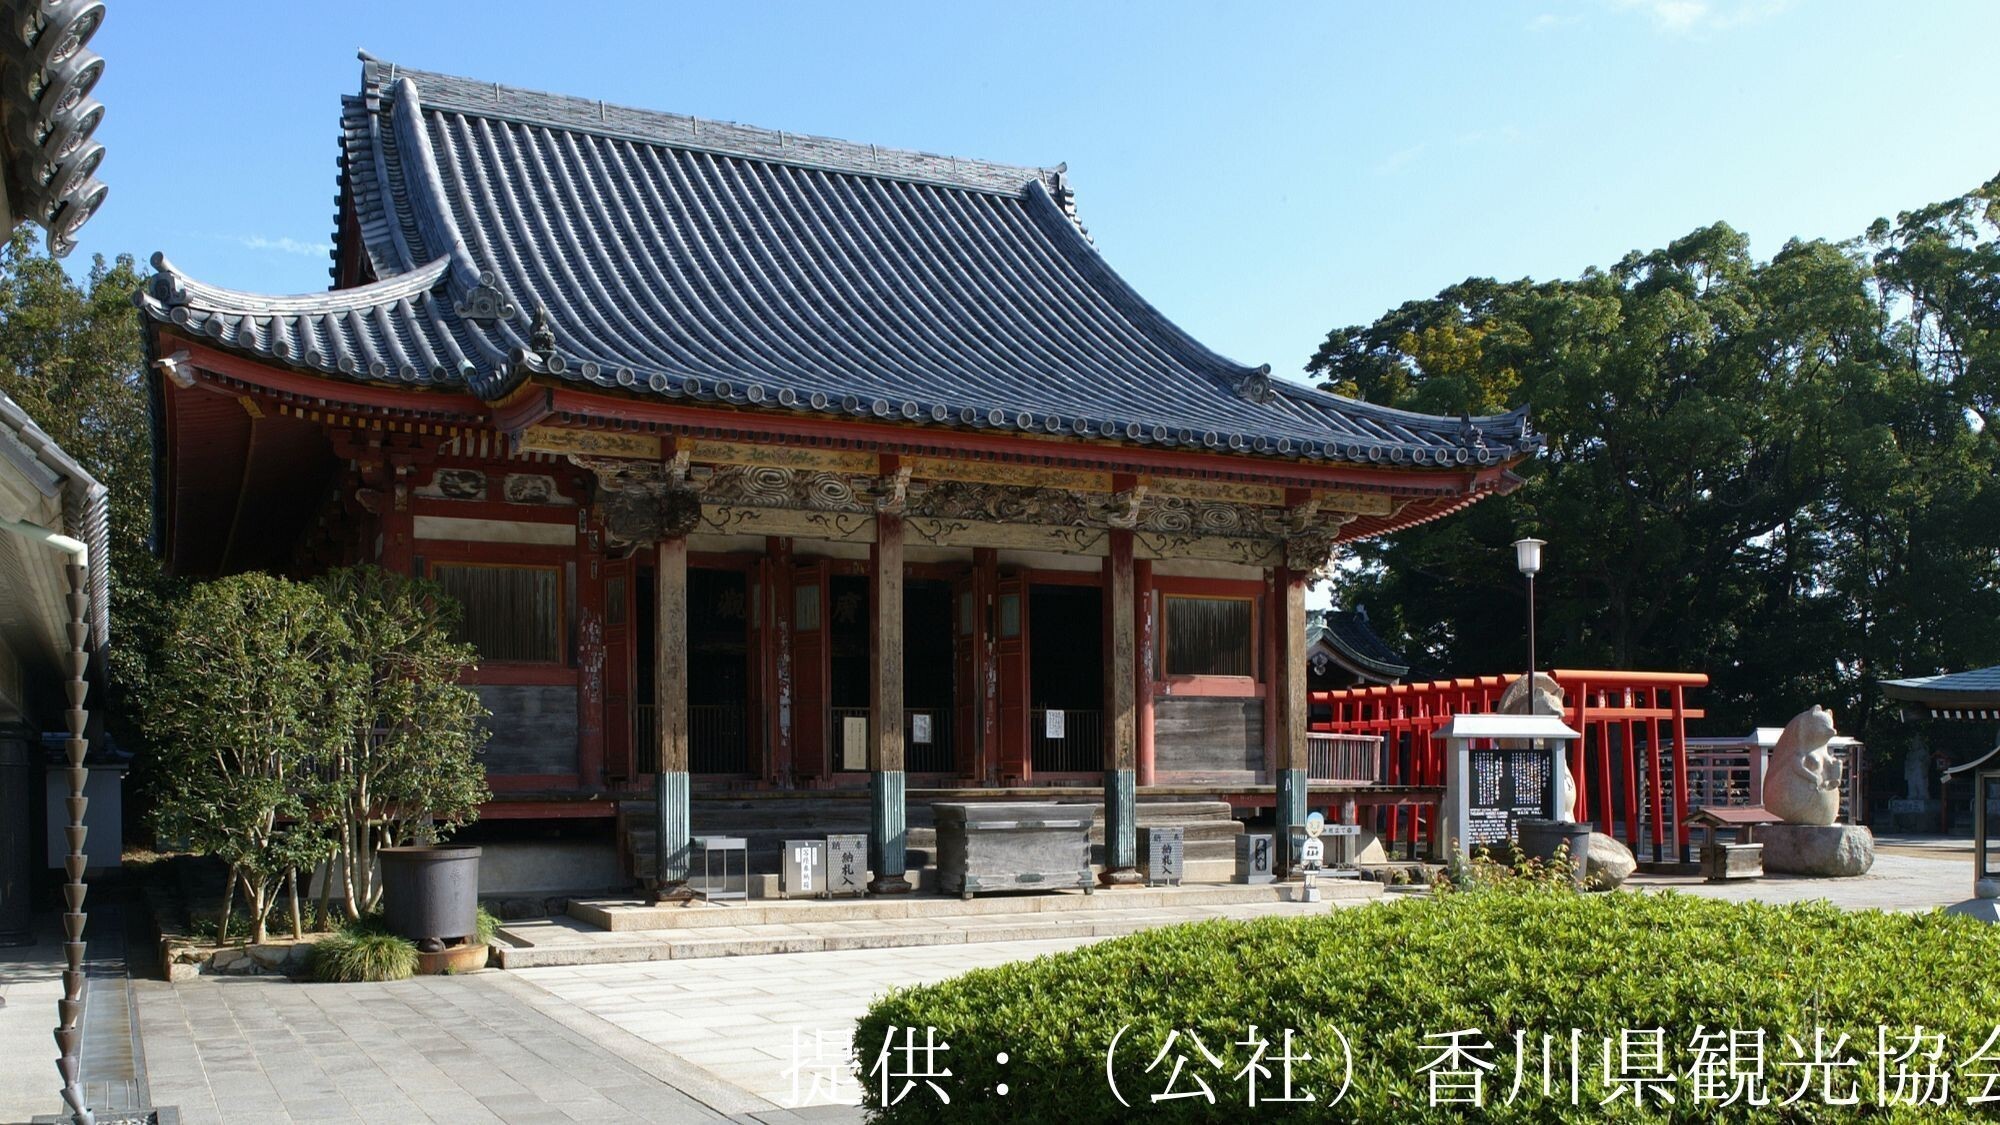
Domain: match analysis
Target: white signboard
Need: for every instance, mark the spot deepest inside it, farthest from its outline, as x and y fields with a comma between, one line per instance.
x=1052, y=725
x=854, y=742
x=1312, y=853
x=920, y=729
x=806, y=856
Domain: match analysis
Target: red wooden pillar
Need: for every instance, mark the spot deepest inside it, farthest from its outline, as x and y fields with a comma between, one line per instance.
x=1271, y=670
x=1633, y=766
x=1680, y=773
x=1145, y=668
x=776, y=660
x=1654, y=774
x=590, y=693
x=986, y=762
x=399, y=539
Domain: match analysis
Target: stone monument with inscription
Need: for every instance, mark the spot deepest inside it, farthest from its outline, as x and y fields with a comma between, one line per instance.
x=1489, y=790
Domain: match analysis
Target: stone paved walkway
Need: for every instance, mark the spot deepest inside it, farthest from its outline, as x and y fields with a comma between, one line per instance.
x=30, y=983
x=477, y=1048
x=700, y=1040
x=759, y=1022
x=1896, y=882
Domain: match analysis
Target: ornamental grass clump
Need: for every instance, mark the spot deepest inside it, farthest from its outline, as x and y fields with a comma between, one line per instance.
x=359, y=953
x=1394, y=986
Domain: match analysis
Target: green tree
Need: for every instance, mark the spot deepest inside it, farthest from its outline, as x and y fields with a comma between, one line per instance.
x=409, y=768
x=1778, y=472
x=70, y=355
x=251, y=708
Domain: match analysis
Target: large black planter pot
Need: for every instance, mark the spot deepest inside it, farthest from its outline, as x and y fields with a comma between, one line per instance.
x=1540, y=839
x=431, y=895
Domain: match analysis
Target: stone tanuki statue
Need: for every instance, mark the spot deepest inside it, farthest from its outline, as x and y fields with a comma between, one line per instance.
x=1802, y=782
x=1802, y=789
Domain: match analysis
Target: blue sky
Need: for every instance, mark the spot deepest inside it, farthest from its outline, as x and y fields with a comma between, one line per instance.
x=1262, y=172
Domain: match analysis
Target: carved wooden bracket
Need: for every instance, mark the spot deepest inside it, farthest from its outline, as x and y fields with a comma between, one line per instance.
x=892, y=491
x=1311, y=551
x=1122, y=511
x=177, y=369
x=1300, y=518
x=644, y=501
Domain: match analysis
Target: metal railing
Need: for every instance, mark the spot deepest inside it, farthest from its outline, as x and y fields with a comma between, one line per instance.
x=645, y=738
x=836, y=727
x=934, y=756
x=718, y=738
x=1079, y=750
x=1351, y=759
x=1723, y=779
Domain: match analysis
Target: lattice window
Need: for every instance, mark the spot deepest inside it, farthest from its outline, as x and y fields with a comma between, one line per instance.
x=512, y=613
x=1210, y=636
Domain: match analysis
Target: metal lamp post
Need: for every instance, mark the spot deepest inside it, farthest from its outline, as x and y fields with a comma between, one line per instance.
x=1528, y=560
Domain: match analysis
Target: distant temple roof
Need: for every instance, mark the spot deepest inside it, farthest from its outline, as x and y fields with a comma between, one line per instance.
x=1970, y=695
x=491, y=234
x=1348, y=634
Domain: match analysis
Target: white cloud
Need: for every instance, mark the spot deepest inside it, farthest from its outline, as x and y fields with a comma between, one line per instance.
x=1500, y=136
x=282, y=245
x=1399, y=159
x=1682, y=17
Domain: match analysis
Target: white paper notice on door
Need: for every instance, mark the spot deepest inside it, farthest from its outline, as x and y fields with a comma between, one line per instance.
x=920, y=729
x=854, y=742
x=1052, y=724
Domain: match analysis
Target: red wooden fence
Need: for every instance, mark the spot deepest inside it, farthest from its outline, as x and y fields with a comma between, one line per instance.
x=1631, y=766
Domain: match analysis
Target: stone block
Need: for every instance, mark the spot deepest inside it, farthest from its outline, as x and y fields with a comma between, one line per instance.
x=1607, y=862
x=1826, y=851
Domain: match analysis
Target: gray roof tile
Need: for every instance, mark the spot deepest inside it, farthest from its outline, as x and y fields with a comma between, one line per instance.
x=720, y=263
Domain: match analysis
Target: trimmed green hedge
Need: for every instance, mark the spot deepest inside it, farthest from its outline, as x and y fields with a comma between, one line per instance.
x=1389, y=974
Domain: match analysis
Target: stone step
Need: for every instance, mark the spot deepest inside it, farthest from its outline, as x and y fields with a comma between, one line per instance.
x=1215, y=877
x=1112, y=913
x=627, y=915
x=824, y=806
x=765, y=855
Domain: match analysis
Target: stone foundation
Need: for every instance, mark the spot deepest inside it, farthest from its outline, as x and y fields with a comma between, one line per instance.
x=1833, y=851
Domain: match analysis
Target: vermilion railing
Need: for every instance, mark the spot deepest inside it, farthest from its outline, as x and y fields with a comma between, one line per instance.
x=1631, y=766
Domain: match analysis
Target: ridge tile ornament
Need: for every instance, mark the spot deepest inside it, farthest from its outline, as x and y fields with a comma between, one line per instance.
x=484, y=302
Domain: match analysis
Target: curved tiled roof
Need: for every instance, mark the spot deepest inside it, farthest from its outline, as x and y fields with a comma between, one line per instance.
x=1979, y=685
x=1351, y=633
x=518, y=233
x=49, y=161
x=33, y=455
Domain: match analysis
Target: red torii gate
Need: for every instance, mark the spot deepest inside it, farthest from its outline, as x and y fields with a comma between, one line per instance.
x=1644, y=713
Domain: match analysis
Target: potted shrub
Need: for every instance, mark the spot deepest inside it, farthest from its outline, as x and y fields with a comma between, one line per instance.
x=409, y=772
